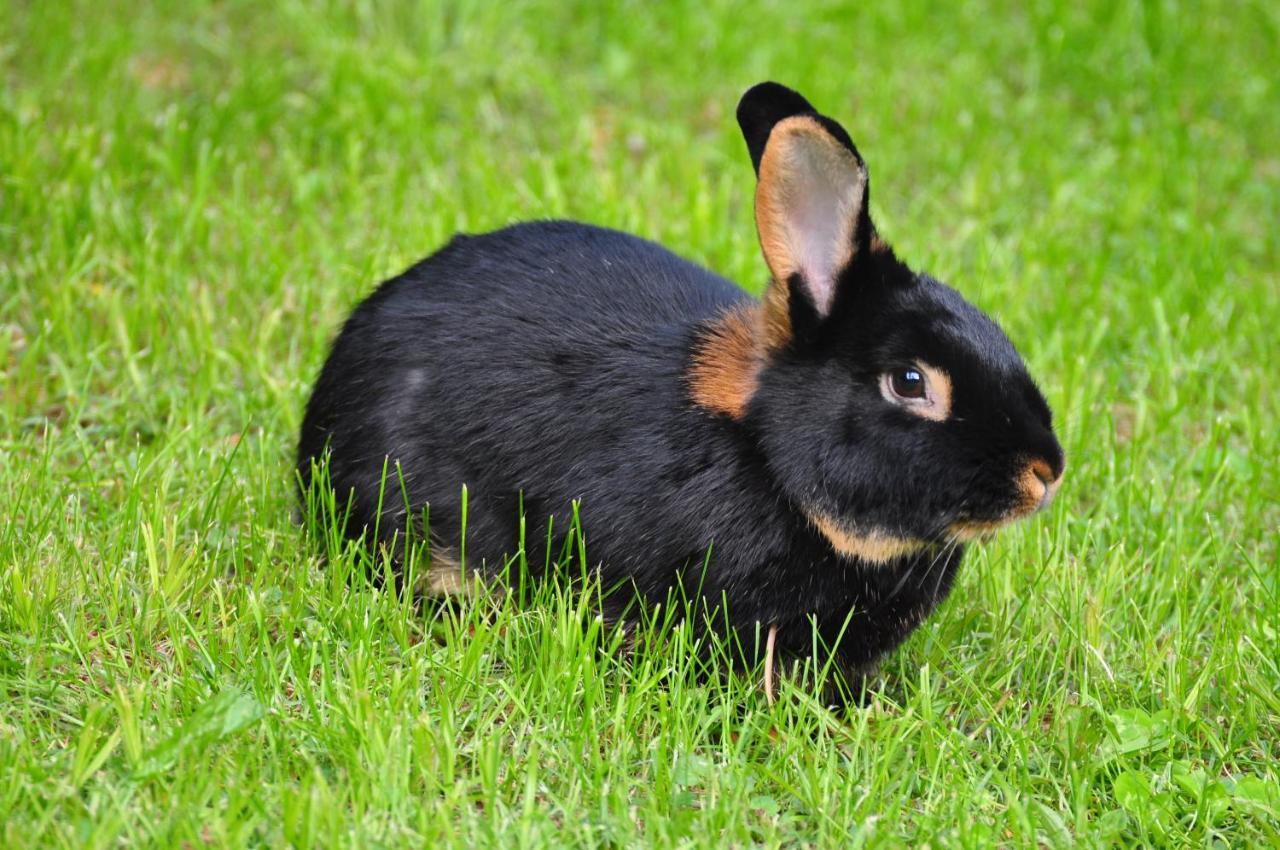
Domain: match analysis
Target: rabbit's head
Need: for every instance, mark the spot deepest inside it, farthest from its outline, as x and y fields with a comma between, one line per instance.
x=891, y=411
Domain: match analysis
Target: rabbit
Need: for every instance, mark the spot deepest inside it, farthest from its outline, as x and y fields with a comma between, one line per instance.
x=812, y=461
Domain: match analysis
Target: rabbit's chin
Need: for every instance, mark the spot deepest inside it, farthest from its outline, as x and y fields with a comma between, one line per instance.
x=969, y=530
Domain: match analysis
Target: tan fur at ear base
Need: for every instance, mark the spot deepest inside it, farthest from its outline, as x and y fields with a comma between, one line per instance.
x=809, y=198
x=727, y=359
x=775, y=316
x=874, y=547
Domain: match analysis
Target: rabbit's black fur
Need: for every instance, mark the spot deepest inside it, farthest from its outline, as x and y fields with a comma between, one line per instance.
x=552, y=362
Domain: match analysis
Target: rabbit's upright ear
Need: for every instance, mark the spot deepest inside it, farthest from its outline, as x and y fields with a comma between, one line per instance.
x=811, y=205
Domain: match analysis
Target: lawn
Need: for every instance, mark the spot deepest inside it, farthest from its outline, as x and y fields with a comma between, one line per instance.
x=192, y=195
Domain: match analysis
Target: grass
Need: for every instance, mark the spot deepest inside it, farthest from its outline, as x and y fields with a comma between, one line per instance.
x=192, y=195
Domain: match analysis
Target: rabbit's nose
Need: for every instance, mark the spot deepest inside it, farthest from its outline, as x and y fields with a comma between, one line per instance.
x=1043, y=471
x=1048, y=478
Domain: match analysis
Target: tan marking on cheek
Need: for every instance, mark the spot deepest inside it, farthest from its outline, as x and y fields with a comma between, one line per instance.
x=726, y=363
x=874, y=547
x=878, y=245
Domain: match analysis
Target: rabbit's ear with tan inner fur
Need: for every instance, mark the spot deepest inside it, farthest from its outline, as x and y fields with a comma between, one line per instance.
x=811, y=205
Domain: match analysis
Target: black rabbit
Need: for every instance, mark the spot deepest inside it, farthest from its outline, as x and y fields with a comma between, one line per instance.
x=833, y=445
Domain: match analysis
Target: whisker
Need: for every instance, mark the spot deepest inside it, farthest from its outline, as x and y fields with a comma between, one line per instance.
x=952, y=545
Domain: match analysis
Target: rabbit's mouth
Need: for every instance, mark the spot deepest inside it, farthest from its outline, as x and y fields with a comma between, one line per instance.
x=1035, y=487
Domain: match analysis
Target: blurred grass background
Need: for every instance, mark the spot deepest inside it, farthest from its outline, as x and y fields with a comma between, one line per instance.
x=192, y=195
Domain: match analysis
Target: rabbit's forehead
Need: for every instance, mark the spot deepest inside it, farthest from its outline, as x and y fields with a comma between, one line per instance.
x=933, y=321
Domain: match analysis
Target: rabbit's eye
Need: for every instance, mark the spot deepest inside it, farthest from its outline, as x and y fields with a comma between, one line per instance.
x=907, y=383
x=918, y=388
